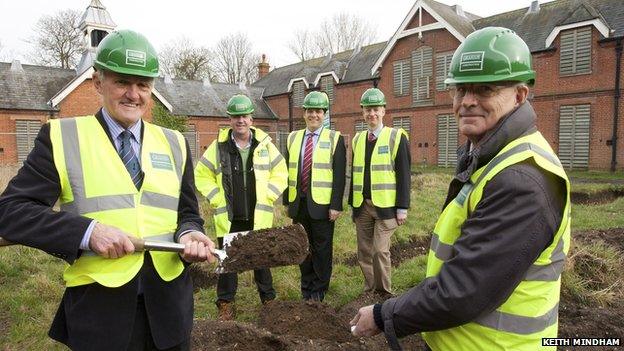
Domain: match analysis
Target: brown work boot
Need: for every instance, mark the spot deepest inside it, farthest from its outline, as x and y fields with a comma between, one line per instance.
x=227, y=310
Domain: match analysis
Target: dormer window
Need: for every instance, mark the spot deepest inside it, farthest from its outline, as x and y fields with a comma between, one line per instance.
x=298, y=89
x=575, y=51
x=327, y=85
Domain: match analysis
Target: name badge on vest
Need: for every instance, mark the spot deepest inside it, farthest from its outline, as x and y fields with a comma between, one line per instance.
x=263, y=153
x=463, y=194
x=383, y=149
x=324, y=145
x=161, y=161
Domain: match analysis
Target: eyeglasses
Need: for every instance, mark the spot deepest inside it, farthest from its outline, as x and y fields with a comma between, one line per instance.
x=480, y=91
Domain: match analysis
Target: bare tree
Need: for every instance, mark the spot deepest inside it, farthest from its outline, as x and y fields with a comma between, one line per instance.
x=58, y=41
x=343, y=32
x=2, y=55
x=234, y=60
x=303, y=45
x=180, y=58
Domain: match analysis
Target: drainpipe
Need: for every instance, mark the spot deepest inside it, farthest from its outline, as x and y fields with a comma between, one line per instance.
x=290, y=112
x=616, y=104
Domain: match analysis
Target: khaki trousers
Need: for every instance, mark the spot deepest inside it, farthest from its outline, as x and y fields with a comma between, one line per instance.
x=373, y=239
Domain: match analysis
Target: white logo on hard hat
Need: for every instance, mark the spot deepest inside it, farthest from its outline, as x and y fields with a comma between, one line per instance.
x=471, y=61
x=136, y=58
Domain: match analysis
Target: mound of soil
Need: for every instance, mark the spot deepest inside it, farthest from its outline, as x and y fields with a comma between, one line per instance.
x=226, y=336
x=596, y=198
x=265, y=248
x=590, y=322
x=613, y=237
x=348, y=311
x=234, y=336
x=313, y=320
x=203, y=275
x=418, y=245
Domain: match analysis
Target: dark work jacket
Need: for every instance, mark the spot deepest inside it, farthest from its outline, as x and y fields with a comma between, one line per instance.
x=516, y=219
x=402, y=169
x=240, y=199
x=318, y=211
x=27, y=218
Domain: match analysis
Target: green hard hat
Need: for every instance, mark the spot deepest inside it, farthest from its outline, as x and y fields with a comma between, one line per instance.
x=373, y=97
x=127, y=52
x=316, y=99
x=239, y=105
x=491, y=54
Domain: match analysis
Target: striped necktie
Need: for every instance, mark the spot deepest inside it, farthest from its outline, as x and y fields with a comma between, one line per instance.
x=307, y=162
x=129, y=159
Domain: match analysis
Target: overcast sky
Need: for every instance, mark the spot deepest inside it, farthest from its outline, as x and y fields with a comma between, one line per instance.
x=269, y=23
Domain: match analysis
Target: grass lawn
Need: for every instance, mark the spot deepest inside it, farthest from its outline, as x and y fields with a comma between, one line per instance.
x=31, y=284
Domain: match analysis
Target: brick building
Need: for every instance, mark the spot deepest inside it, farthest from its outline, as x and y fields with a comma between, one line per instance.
x=576, y=47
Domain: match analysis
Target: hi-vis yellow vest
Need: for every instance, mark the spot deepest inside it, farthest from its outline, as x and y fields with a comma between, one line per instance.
x=322, y=158
x=531, y=312
x=96, y=184
x=271, y=180
x=383, y=177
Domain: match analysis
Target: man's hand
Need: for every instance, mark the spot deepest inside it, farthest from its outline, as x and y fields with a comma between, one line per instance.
x=364, y=323
x=110, y=242
x=333, y=215
x=197, y=247
x=401, y=217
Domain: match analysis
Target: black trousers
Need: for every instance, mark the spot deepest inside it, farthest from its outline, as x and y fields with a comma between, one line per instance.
x=94, y=317
x=228, y=282
x=141, y=338
x=316, y=269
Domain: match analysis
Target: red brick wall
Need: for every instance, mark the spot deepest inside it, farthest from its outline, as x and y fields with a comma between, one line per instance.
x=8, y=141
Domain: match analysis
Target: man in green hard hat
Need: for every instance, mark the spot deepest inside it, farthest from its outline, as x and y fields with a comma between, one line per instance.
x=241, y=174
x=498, y=249
x=115, y=176
x=380, y=190
x=316, y=180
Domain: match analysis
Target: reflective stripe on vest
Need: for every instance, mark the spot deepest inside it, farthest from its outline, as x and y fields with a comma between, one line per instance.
x=530, y=313
x=322, y=159
x=383, y=176
x=95, y=184
x=267, y=162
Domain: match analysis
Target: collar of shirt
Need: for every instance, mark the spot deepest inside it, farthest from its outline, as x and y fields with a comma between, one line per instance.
x=115, y=128
x=248, y=144
x=376, y=131
x=316, y=132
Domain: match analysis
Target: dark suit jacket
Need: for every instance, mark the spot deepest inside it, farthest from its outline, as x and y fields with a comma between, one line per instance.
x=317, y=211
x=402, y=169
x=92, y=316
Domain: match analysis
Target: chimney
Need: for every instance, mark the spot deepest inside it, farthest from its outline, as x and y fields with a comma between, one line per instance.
x=459, y=11
x=16, y=66
x=263, y=67
x=535, y=7
x=168, y=79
